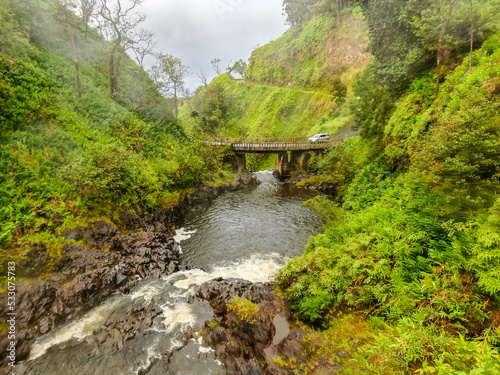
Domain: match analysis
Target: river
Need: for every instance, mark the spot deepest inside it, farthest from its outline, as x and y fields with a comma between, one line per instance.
x=246, y=234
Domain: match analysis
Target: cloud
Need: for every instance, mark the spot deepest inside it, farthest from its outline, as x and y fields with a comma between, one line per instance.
x=198, y=31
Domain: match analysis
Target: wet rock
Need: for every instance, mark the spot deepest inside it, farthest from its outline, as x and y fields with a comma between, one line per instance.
x=189, y=360
x=292, y=347
x=246, y=179
x=110, y=262
x=98, y=234
x=34, y=260
x=240, y=344
x=87, y=277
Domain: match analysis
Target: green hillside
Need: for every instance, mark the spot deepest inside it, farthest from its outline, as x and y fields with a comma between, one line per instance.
x=263, y=111
x=411, y=252
x=66, y=159
x=315, y=56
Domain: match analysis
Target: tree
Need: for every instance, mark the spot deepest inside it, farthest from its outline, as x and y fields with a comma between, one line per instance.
x=229, y=68
x=400, y=53
x=214, y=109
x=64, y=6
x=239, y=67
x=143, y=46
x=298, y=11
x=169, y=74
x=118, y=23
x=216, y=65
x=87, y=10
x=434, y=24
x=202, y=77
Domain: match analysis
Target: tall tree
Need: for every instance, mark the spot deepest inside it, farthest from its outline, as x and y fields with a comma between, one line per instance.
x=119, y=22
x=169, y=73
x=65, y=6
x=238, y=67
x=400, y=53
x=143, y=45
x=202, y=77
x=87, y=10
x=440, y=14
x=298, y=11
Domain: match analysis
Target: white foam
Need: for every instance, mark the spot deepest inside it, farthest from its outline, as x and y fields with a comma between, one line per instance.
x=147, y=292
x=182, y=234
x=151, y=353
x=78, y=329
x=181, y=314
x=204, y=350
x=257, y=268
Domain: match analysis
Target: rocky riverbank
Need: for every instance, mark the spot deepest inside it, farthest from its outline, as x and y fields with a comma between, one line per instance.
x=112, y=260
x=268, y=343
x=323, y=184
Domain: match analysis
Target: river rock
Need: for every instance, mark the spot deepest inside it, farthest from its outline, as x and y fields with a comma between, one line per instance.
x=84, y=276
x=240, y=344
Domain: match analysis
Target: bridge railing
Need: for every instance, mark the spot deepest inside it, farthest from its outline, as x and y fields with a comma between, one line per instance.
x=274, y=144
x=265, y=140
x=284, y=146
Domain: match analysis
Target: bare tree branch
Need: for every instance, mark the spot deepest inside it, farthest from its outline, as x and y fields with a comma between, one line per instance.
x=216, y=65
x=202, y=77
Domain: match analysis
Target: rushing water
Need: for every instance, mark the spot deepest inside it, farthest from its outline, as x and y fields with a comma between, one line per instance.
x=246, y=234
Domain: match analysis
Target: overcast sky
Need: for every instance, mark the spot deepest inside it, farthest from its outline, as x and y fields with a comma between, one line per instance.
x=198, y=31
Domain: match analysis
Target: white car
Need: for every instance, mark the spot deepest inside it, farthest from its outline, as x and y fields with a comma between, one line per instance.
x=319, y=137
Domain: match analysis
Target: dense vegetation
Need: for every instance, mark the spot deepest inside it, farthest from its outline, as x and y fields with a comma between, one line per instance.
x=227, y=107
x=294, y=86
x=322, y=55
x=65, y=159
x=410, y=257
x=412, y=245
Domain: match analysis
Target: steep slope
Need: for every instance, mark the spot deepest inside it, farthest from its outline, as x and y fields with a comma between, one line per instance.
x=413, y=238
x=314, y=56
x=265, y=111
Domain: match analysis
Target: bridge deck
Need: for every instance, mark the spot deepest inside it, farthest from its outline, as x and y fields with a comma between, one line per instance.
x=274, y=145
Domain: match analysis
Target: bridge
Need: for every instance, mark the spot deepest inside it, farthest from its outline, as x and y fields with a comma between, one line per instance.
x=298, y=147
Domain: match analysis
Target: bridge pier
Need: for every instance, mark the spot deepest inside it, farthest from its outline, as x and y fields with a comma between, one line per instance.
x=240, y=165
x=282, y=164
x=285, y=165
x=299, y=160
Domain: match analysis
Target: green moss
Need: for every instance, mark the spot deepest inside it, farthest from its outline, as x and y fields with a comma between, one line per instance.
x=244, y=309
x=213, y=323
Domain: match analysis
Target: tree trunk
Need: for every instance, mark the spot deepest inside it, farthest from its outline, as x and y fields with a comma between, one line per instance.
x=112, y=75
x=75, y=60
x=471, y=35
x=176, y=110
x=114, y=70
x=438, y=65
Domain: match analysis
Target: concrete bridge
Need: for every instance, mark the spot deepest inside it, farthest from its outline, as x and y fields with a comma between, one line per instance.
x=291, y=153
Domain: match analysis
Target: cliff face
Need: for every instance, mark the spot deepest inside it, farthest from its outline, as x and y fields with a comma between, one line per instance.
x=311, y=56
